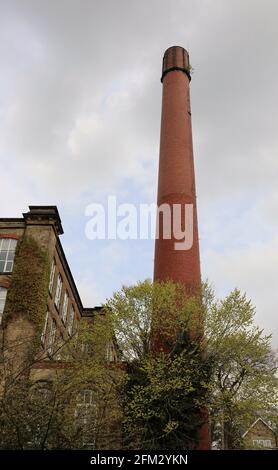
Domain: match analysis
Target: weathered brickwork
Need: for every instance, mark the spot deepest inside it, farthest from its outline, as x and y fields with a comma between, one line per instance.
x=176, y=179
x=176, y=185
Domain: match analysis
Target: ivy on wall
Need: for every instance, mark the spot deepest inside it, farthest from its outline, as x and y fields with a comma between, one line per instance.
x=27, y=295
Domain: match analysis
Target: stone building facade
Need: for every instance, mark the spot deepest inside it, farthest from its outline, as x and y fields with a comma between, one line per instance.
x=39, y=300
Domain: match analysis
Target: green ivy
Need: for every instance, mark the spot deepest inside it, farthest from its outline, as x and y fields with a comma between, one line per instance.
x=29, y=288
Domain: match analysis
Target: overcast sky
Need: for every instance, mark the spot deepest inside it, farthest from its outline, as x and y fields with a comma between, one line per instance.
x=80, y=102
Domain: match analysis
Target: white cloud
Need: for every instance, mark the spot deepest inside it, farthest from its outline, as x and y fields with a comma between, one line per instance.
x=253, y=270
x=90, y=292
x=80, y=106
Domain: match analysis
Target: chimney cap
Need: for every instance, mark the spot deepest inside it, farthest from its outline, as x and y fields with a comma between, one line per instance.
x=175, y=58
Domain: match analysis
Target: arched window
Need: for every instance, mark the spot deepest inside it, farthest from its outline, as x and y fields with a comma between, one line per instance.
x=3, y=295
x=7, y=252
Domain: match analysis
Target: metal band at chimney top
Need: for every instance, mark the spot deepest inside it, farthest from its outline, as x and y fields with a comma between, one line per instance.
x=176, y=58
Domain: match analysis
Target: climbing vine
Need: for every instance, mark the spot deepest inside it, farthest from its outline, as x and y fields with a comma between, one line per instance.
x=27, y=295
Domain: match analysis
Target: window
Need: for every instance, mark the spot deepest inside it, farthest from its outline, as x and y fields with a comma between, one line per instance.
x=7, y=252
x=3, y=295
x=110, y=352
x=262, y=442
x=86, y=417
x=44, y=331
x=58, y=353
x=58, y=291
x=52, y=274
x=71, y=320
x=85, y=398
x=85, y=348
x=65, y=307
x=41, y=390
x=75, y=328
x=52, y=336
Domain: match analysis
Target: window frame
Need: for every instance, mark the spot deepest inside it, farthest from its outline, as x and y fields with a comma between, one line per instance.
x=110, y=356
x=8, y=251
x=58, y=292
x=3, y=301
x=65, y=308
x=44, y=331
x=262, y=442
x=58, y=352
x=51, y=336
x=71, y=319
x=52, y=276
x=82, y=395
x=86, y=410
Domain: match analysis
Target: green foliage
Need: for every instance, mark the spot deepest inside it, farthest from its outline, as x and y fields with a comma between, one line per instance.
x=77, y=408
x=238, y=356
x=26, y=413
x=162, y=308
x=244, y=382
x=90, y=370
x=167, y=372
x=154, y=398
x=163, y=401
x=27, y=295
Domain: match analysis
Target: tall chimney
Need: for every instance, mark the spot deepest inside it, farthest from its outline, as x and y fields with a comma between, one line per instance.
x=176, y=179
x=176, y=185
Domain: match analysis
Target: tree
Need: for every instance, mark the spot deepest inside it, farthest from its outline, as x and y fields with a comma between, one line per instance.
x=244, y=383
x=89, y=400
x=154, y=396
x=166, y=388
x=74, y=407
x=234, y=370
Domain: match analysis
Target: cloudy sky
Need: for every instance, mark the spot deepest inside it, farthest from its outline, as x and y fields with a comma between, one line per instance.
x=80, y=102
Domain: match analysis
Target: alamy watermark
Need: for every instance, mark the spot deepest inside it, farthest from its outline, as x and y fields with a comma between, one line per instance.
x=140, y=222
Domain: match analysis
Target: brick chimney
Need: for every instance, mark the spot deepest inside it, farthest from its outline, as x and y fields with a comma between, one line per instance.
x=176, y=185
x=176, y=179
